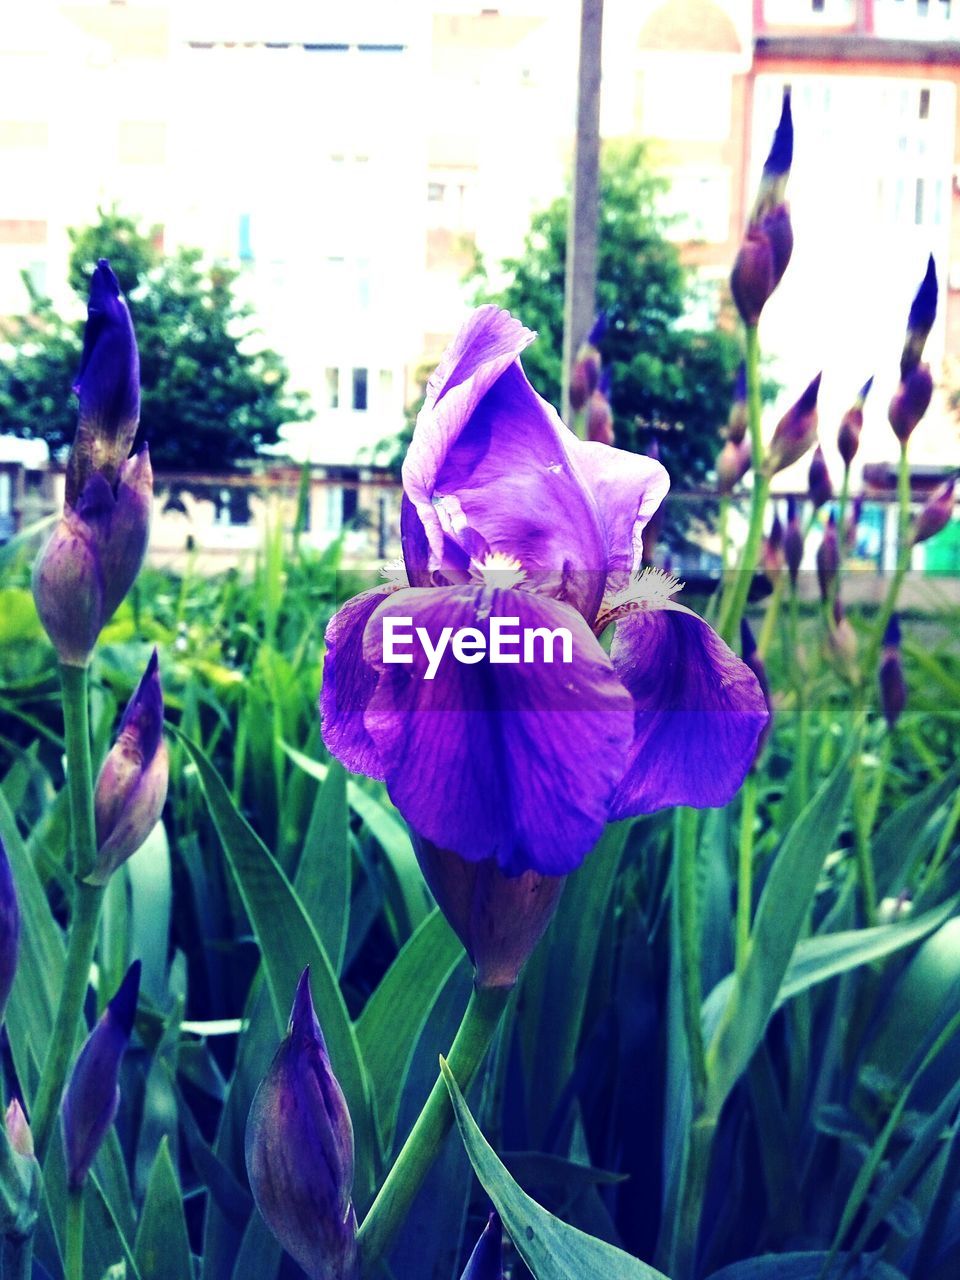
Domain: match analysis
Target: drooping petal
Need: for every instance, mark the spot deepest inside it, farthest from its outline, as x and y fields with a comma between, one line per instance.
x=348, y=685
x=513, y=761
x=490, y=458
x=627, y=488
x=698, y=712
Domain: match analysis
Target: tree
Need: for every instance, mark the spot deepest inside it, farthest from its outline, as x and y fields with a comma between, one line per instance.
x=210, y=394
x=670, y=383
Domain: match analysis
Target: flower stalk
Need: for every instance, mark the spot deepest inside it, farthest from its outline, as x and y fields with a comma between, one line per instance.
x=399, y=1190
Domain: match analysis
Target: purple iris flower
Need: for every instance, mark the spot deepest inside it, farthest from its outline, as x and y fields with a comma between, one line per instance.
x=506, y=514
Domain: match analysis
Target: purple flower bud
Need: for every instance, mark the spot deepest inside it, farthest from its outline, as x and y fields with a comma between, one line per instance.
x=18, y=1130
x=780, y=157
x=819, y=485
x=937, y=513
x=599, y=413
x=92, y=558
x=752, y=279
x=738, y=421
x=778, y=229
x=299, y=1151
x=132, y=786
x=751, y=656
x=585, y=375
x=733, y=463
x=9, y=929
x=498, y=918
x=828, y=558
x=893, y=686
x=848, y=436
x=923, y=312
x=68, y=589
x=773, y=553
x=795, y=432
x=92, y=1095
x=108, y=386
x=793, y=541
x=486, y=1261
x=910, y=401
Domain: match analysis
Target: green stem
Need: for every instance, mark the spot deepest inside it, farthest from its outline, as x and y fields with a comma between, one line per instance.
x=770, y=617
x=688, y=926
x=735, y=597
x=748, y=818
x=697, y=1168
x=73, y=1267
x=943, y=845
x=903, y=562
x=861, y=836
x=86, y=906
x=403, y=1182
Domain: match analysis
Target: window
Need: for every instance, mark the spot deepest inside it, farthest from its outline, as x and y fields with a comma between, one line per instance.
x=332, y=380
x=924, y=104
x=386, y=387
x=817, y=6
x=918, y=204
x=435, y=191
x=359, y=389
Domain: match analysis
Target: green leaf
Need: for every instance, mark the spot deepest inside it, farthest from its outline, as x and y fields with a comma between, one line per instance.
x=895, y=845
x=260, y=1254
x=393, y=1018
x=573, y=942
x=784, y=904
x=804, y=1266
x=323, y=874
x=288, y=943
x=162, y=1249
x=551, y=1249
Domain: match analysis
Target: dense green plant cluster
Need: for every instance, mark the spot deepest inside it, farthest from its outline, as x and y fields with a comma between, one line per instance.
x=838, y=1061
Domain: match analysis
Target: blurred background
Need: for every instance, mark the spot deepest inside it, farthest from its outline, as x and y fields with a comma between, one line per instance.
x=361, y=174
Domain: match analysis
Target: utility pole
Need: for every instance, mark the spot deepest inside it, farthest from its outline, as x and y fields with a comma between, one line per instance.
x=580, y=288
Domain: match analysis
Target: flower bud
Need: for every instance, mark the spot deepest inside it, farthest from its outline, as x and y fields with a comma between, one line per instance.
x=776, y=167
x=910, y=401
x=68, y=589
x=9, y=929
x=108, y=387
x=751, y=656
x=498, y=918
x=848, y=436
x=738, y=421
x=793, y=541
x=132, y=786
x=773, y=554
x=299, y=1151
x=819, y=485
x=795, y=432
x=893, y=686
x=486, y=1261
x=752, y=278
x=599, y=413
x=828, y=558
x=92, y=1095
x=779, y=231
x=586, y=367
x=19, y=1175
x=733, y=463
x=923, y=312
x=843, y=644
x=936, y=515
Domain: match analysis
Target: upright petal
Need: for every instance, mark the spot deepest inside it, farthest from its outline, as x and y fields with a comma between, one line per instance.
x=698, y=712
x=490, y=460
x=627, y=488
x=513, y=761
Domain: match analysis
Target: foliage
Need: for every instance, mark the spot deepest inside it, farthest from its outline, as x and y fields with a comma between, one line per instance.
x=210, y=391
x=835, y=1132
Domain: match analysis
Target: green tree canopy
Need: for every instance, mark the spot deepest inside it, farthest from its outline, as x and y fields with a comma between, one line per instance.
x=210, y=395
x=671, y=383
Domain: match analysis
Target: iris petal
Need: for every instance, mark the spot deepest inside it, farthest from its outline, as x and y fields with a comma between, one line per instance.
x=698, y=712
x=627, y=488
x=513, y=761
x=348, y=685
x=491, y=459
